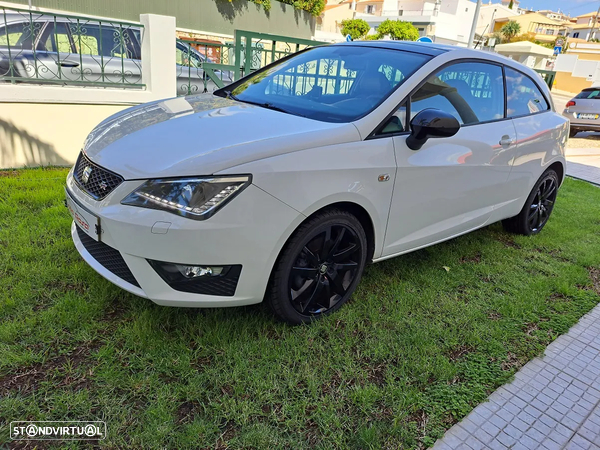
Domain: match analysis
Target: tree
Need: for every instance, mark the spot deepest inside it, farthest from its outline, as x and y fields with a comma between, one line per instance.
x=511, y=4
x=356, y=28
x=398, y=30
x=529, y=36
x=510, y=30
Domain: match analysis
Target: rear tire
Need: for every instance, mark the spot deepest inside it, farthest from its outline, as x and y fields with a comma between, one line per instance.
x=319, y=268
x=538, y=207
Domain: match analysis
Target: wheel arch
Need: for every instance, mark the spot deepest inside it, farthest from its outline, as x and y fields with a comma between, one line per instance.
x=559, y=168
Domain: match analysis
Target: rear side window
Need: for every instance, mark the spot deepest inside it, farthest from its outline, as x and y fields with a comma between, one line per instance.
x=523, y=95
x=589, y=94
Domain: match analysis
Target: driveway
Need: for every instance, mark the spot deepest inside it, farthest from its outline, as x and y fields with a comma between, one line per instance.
x=583, y=151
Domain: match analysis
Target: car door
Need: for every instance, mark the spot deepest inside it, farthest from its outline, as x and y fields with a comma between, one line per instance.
x=56, y=53
x=450, y=185
x=190, y=76
x=107, y=53
x=541, y=134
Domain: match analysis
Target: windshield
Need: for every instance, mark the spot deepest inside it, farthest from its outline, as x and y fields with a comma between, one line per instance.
x=589, y=94
x=331, y=83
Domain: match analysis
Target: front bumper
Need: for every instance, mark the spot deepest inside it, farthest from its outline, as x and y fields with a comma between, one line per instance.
x=248, y=231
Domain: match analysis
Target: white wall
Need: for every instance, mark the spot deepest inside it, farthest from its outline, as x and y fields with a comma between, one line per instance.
x=452, y=21
x=46, y=124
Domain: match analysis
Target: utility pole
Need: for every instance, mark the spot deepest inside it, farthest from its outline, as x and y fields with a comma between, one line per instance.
x=593, y=24
x=474, y=26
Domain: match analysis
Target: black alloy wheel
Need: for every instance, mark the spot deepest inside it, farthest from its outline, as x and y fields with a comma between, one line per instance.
x=538, y=207
x=319, y=268
x=543, y=202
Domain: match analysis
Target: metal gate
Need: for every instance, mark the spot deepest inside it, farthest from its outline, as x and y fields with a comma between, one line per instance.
x=225, y=63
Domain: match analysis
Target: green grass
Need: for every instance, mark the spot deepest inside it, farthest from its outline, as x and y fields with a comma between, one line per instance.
x=426, y=337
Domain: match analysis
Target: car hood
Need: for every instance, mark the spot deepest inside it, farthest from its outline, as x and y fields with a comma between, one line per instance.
x=202, y=135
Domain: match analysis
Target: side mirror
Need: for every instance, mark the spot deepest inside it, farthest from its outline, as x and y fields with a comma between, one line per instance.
x=431, y=123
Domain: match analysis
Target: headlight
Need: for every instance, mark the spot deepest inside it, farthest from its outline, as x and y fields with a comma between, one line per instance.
x=195, y=198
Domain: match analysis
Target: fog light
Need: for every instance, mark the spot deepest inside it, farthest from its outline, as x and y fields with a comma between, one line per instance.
x=209, y=280
x=199, y=271
x=172, y=272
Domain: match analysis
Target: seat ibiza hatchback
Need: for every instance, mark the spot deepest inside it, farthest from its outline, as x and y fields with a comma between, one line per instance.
x=285, y=184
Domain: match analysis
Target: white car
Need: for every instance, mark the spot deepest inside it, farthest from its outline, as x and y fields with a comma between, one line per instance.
x=285, y=184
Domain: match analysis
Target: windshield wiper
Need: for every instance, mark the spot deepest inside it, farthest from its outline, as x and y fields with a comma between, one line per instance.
x=266, y=105
x=229, y=94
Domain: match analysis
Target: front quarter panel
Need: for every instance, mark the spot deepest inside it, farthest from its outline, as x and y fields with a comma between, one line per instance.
x=311, y=179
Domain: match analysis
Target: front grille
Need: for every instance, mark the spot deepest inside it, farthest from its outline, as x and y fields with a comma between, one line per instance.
x=100, y=182
x=108, y=257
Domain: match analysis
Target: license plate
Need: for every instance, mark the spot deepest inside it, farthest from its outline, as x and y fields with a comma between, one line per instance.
x=84, y=219
x=587, y=116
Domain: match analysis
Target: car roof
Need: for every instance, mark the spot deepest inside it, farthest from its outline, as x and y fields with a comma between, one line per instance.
x=427, y=48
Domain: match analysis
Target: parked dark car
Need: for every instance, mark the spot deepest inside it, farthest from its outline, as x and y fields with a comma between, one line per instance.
x=584, y=111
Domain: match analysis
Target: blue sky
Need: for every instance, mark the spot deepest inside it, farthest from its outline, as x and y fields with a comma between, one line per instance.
x=574, y=7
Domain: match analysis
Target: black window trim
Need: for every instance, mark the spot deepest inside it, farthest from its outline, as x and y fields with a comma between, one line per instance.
x=406, y=99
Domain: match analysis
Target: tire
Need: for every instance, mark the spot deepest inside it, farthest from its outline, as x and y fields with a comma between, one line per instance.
x=535, y=213
x=319, y=268
x=573, y=132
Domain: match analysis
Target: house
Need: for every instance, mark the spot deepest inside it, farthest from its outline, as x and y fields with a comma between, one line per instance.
x=527, y=53
x=329, y=23
x=489, y=13
x=582, y=28
x=545, y=29
x=447, y=22
x=561, y=17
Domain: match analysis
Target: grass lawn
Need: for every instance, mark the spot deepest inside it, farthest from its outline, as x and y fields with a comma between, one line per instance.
x=426, y=337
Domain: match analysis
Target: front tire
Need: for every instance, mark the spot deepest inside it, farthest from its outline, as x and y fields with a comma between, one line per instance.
x=538, y=207
x=319, y=268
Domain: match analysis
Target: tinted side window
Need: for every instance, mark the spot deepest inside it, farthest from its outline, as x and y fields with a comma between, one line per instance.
x=396, y=123
x=185, y=56
x=523, y=96
x=56, y=39
x=472, y=92
x=105, y=40
x=19, y=35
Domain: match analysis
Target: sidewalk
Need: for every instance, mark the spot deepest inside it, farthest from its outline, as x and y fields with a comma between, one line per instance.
x=553, y=402
x=584, y=164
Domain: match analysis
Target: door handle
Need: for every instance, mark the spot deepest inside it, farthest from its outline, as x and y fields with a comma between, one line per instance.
x=506, y=141
x=68, y=64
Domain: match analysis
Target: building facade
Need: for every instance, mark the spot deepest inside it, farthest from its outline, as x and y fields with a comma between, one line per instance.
x=446, y=22
x=543, y=28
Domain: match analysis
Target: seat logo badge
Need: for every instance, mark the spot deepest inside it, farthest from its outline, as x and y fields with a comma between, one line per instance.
x=85, y=176
x=383, y=177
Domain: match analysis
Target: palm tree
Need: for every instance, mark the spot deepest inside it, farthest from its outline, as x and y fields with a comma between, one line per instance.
x=510, y=30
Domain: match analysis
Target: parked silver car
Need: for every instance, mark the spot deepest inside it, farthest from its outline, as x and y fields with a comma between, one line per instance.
x=53, y=48
x=584, y=111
